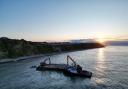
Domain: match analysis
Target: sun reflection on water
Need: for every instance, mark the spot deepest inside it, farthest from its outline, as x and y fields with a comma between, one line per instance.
x=100, y=66
x=101, y=54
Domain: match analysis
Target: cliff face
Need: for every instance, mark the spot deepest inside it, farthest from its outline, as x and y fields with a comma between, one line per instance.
x=12, y=48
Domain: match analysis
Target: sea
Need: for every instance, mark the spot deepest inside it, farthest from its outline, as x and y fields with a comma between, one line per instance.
x=109, y=66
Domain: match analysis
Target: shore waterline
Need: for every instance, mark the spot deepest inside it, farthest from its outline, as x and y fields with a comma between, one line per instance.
x=109, y=67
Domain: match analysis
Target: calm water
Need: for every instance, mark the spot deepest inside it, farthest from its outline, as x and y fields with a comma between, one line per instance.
x=109, y=66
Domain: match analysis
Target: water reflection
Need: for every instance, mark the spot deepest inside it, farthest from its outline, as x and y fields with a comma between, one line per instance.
x=100, y=62
x=100, y=66
x=101, y=54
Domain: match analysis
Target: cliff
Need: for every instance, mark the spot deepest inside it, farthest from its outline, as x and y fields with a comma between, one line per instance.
x=13, y=48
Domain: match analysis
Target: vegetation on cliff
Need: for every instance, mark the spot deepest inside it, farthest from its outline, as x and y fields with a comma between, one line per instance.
x=13, y=48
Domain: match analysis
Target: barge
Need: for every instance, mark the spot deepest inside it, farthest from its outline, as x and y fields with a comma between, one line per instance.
x=71, y=70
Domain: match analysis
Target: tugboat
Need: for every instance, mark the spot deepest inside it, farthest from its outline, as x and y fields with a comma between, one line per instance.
x=70, y=70
x=76, y=70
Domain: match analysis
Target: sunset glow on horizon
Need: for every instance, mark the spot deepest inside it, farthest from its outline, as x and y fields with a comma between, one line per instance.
x=58, y=20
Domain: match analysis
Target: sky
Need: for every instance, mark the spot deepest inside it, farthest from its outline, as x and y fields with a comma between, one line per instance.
x=41, y=20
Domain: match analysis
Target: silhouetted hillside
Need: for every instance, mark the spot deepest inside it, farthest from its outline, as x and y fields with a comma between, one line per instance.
x=12, y=48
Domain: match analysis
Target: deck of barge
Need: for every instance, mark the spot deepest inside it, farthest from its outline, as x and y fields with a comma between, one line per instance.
x=59, y=67
x=49, y=66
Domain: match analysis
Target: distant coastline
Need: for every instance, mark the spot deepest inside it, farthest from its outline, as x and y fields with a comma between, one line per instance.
x=117, y=43
x=14, y=49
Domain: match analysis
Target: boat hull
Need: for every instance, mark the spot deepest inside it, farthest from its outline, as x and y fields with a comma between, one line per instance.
x=83, y=73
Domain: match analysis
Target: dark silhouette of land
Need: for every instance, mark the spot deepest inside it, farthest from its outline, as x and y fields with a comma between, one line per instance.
x=13, y=48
